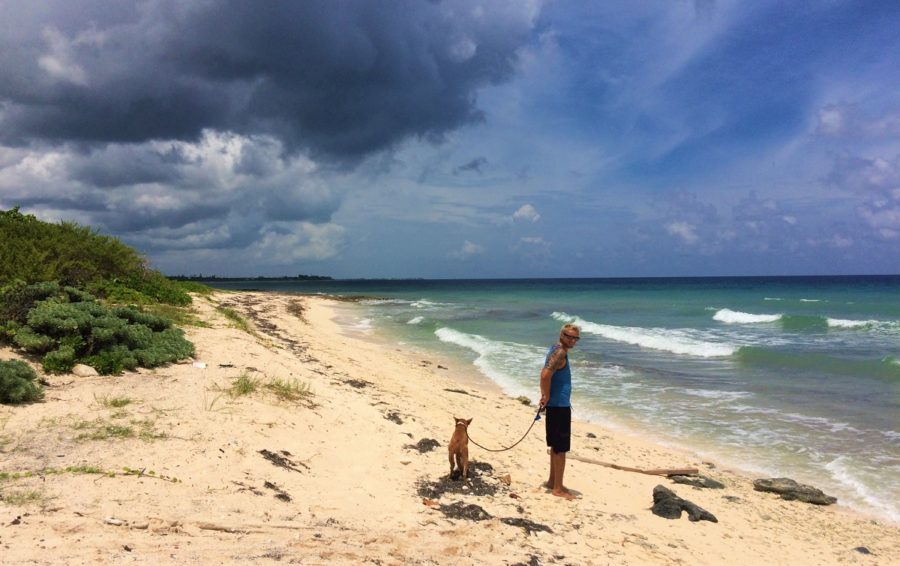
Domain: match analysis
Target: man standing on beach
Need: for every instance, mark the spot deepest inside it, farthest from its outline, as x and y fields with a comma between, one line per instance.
x=556, y=392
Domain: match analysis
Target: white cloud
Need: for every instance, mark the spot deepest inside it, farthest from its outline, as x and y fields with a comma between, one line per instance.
x=59, y=63
x=302, y=241
x=468, y=250
x=684, y=231
x=526, y=212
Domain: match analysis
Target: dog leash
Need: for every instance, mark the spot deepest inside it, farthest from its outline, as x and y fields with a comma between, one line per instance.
x=537, y=417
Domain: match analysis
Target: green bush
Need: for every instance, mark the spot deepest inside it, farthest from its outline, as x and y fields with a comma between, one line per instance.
x=17, y=383
x=32, y=342
x=113, y=361
x=164, y=346
x=155, y=323
x=78, y=257
x=61, y=360
x=18, y=298
x=69, y=327
x=62, y=319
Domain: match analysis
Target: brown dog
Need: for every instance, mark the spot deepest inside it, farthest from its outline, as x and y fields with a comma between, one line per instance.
x=459, y=448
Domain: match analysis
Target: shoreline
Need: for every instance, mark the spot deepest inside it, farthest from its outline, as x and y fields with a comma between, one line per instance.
x=697, y=448
x=360, y=478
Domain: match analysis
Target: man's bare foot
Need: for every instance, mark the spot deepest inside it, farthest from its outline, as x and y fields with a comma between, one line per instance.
x=565, y=494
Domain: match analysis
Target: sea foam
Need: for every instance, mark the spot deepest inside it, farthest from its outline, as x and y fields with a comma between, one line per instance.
x=841, y=323
x=499, y=361
x=674, y=341
x=729, y=316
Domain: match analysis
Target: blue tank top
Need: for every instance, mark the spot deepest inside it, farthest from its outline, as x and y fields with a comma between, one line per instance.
x=560, y=383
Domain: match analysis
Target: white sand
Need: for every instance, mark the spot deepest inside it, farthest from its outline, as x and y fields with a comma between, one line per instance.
x=359, y=490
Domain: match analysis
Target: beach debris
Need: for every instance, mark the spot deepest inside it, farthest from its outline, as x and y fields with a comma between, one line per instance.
x=280, y=494
x=699, y=481
x=357, y=383
x=199, y=365
x=429, y=502
x=282, y=460
x=591, y=435
x=441, y=367
x=862, y=550
x=394, y=417
x=529, y=526
x=82, y=370
x=668, y=472
x=113, y=521
x=669, y=506
x=468, y=511
x=524, y=400
x=424, y=445
x=790, y=490
x=477, y=484
x=506, y=478
x=460, y=391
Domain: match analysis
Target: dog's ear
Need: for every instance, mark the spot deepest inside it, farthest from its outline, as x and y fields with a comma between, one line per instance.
x=456, y=419
x=468, y=422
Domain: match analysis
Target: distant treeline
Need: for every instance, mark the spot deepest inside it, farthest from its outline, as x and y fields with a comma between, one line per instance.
x=202, y=277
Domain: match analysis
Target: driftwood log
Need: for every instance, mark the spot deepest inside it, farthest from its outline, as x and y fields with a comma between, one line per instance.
x=652, y=472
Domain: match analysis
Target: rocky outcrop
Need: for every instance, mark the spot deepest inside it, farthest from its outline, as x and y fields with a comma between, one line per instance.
x=82, y=370
x=790, y=490
x=669, y=506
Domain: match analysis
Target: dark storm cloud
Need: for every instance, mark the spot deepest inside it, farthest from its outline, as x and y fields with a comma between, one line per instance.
x=120, y=165
x=339, y=78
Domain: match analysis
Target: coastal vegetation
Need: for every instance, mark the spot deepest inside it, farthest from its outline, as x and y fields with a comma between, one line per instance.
x=69, y=295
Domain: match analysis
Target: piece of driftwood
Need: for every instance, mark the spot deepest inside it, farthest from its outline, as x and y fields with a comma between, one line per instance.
x=654, y=472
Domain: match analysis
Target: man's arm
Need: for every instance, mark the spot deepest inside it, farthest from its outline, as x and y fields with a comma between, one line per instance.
x=555, y=361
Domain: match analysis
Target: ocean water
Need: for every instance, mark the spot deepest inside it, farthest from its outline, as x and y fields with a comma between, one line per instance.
x=796, y=376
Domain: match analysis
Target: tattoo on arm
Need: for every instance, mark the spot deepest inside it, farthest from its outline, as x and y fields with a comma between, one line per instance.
x=556, y=360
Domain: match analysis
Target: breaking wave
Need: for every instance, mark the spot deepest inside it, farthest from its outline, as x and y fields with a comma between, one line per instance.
x=684, y=342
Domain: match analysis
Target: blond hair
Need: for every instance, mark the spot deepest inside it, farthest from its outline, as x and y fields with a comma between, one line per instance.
x=569, y=326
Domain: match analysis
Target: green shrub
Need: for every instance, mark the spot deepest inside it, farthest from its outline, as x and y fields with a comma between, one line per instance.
x=17, y=383
x=61, y=360
x=134, y=316
x=163, y=348
x=32, y=342
x=113, y=361
x=58, y=319
x=68, y=326
x=17, y=299
x=77, y=256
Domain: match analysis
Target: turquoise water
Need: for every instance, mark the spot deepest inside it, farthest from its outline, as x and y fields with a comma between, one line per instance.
x=795, y=377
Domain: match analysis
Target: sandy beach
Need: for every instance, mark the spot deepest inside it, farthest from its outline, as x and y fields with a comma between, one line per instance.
x=175, y=466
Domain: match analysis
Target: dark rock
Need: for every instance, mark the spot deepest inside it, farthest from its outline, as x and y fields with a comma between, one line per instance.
x=591, y=435
x=790, y=490
x=669, y=506
x=862, y=550
x=700, y=481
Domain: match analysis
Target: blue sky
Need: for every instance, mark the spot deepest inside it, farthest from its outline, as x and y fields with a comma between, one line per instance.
x=462, y=139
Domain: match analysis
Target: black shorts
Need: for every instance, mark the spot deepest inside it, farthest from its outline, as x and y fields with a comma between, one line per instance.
x=559, y=428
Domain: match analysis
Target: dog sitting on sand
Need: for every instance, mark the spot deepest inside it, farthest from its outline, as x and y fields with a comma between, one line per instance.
x=459, y=448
